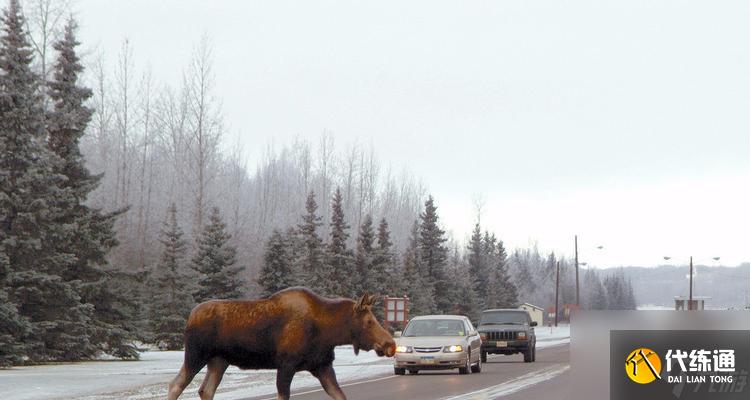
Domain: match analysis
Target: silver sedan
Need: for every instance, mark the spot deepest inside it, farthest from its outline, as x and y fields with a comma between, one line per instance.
x=433, y=342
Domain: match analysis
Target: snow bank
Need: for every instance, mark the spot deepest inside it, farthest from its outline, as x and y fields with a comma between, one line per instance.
x=148, y=378
x=552, y=336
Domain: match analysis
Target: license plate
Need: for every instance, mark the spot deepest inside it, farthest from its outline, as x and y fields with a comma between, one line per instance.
x=428, y=360
x=501, y=344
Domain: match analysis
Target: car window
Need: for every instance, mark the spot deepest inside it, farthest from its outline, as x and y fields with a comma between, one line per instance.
x=469, y=326
x=435, y=327
x=504, y=317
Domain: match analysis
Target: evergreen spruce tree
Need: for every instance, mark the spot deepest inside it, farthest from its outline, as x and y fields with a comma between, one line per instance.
x=339, y=273
x=295, y=247
x=33, y=201
x=421, y=294
x=478, y=271
x=433, y=255
x=215, y=262
x=617, y=292
x=311, y=257
x=461, y=287
x=90, y=234
x=13, y=329
x=276, y=273
x=384, y=262
x=170, y=292
x=385, y=276
x=630, y=303
x=596, y=298
x=385, y=279
x=507, y=294
x=366, y=276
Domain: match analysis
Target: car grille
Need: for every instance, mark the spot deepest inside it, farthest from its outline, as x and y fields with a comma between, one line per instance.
x=501, y=335
x=427, y=349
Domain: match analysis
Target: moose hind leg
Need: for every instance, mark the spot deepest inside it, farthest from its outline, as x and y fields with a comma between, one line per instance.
x=327, y=377
x=180, y=382
x=216, y=368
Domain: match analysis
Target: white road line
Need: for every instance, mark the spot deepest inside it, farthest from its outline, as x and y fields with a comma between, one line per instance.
x=343, y=386
x=513, y=385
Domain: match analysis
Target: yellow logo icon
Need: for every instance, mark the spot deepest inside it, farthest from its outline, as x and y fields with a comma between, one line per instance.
x=643, y=365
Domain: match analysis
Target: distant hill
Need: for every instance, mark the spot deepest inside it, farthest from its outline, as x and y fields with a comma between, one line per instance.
x=728, y=287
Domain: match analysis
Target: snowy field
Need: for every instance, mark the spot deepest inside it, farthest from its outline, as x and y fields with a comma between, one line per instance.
x=147, y=379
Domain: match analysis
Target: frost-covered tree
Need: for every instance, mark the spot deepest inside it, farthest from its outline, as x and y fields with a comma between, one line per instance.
x=420, y=292
x=33, y=204
x=339, y=269
x=365, y=279
x=13, y=329
x=90, y=235
x=477, y=258
x=277, y=272
x=215, y=262
x=171, y=298
x=311, y=257
x=433, y=254
x=596, y=298
x=385, y=268
x=462, y=294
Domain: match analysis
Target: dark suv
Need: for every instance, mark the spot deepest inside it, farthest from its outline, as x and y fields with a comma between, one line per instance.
x=507, y=331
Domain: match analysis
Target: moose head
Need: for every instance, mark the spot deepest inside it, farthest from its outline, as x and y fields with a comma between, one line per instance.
x=367, y=334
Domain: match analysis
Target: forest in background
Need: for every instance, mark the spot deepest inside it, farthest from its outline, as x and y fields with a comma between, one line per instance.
x=124, y=202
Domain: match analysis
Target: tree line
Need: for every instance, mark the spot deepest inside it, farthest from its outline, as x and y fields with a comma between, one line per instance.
x=437, y=277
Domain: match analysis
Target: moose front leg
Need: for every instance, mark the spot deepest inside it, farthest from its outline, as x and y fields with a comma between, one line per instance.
x=284, y=376
x=327, y=377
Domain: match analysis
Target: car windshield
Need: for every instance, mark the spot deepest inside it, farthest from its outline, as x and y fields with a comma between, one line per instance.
x=435, y=327
x=512, y=318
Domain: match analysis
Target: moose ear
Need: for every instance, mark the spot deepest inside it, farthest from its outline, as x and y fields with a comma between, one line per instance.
x=363, y=303
x=370, y=300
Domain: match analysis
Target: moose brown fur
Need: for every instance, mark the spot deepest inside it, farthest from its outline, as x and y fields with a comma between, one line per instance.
x=293, y=330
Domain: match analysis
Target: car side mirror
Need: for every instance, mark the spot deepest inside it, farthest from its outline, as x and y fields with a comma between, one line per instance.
x=473, y=333
x=397, y=334
x=533, y=323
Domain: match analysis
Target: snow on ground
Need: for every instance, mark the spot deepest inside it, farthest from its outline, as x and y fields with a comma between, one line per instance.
x=548, y=336
x=654, y=307
x=148, y=378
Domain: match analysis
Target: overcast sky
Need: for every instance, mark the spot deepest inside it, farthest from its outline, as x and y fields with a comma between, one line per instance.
x=625, y=122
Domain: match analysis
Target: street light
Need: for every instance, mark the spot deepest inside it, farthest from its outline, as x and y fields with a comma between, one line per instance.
x=690, y=291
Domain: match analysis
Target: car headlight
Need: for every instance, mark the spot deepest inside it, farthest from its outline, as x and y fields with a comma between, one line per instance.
x=404, y=349
x=522, y=335
x=483, y=335
x=453, y=349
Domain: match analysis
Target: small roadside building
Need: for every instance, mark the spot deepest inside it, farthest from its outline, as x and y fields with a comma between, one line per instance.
x=683, y=303
x=537, y=313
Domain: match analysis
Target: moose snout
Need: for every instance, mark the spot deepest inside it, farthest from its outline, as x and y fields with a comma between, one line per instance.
x=387, y=348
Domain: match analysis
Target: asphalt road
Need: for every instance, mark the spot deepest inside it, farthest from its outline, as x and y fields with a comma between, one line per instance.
x=507, y=377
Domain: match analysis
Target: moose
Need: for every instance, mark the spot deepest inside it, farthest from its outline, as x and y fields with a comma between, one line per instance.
x=290, y=331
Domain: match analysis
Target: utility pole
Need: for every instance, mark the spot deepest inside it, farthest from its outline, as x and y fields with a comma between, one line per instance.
x=578, y=292
x=557, y=292
x=690, y=297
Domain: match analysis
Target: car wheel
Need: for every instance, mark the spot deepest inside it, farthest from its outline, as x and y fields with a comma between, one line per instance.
x=477, y=368
x=484, y=357
x=466, y=369
x=527, y=355
x=533, y=354
x=413, y=371
x=399, y=371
